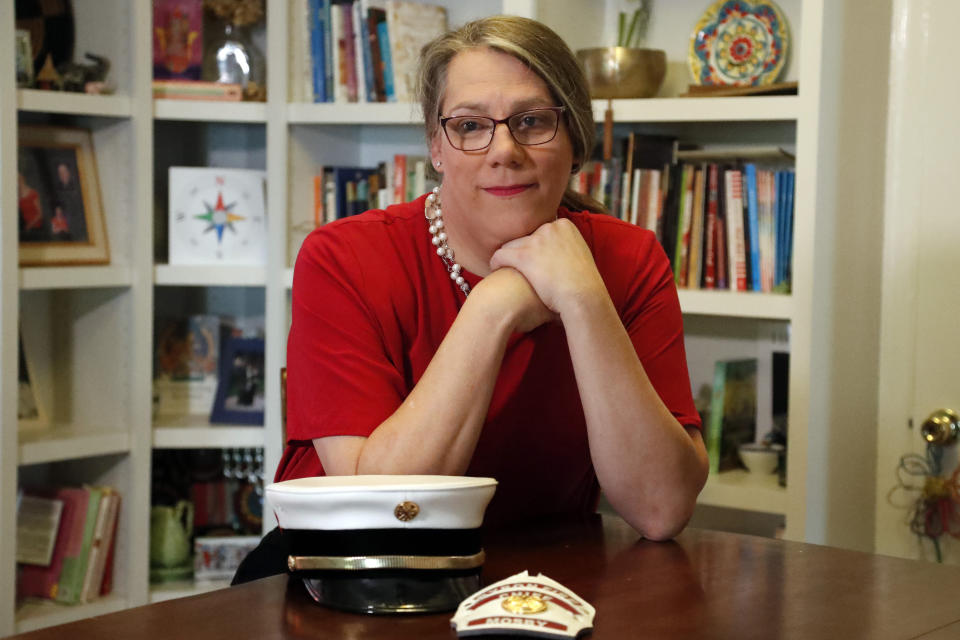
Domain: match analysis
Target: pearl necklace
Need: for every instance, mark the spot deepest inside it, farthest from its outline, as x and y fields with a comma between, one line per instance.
x=434, y=216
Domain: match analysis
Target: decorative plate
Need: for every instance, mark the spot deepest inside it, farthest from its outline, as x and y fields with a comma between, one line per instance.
x=739, y=43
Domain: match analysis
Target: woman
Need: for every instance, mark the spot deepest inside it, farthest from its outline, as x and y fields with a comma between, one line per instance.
x=493, y=328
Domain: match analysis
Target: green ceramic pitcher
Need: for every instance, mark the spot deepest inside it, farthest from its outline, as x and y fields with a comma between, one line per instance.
x=170, y=531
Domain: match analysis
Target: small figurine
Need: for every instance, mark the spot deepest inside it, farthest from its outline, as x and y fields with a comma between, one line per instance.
x=47, y=77
x=77, y=76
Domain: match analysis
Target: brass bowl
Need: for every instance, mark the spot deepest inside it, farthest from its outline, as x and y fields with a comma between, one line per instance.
x=622, y=72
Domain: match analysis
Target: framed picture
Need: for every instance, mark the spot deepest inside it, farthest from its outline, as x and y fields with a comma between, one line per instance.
x=240, y=386
x=30, y=410
x=24, y=58
x=61, y=219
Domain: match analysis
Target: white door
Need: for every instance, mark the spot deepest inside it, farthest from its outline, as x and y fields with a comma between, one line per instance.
x=920, y=322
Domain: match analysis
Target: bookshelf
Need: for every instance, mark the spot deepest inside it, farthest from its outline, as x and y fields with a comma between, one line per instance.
x=104, y=430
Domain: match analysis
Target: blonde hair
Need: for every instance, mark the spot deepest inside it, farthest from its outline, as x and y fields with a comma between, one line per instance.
x=543, y=52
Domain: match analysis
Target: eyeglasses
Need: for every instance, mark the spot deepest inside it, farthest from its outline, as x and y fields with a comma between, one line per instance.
x=473, y=133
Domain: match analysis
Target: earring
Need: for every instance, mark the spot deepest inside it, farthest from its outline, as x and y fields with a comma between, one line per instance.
x=437, y=164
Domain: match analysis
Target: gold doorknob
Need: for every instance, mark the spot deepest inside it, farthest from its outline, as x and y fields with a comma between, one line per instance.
x=941, y=427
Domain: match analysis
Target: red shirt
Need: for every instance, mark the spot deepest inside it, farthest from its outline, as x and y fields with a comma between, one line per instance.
x=371, y=303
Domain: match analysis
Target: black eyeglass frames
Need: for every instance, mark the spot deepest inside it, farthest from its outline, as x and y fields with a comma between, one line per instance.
x=474, y=133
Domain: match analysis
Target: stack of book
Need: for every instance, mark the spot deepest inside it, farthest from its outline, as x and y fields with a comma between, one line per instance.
x=359, y=50
x=723, y=225
x=66, y=539
x=339, y=192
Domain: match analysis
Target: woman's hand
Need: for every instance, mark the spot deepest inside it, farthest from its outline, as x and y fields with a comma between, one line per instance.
x=557, y=263
x=508, y=294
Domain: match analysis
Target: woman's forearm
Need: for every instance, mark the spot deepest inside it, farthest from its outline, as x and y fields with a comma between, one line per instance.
x=649, y=467
x=435, y=429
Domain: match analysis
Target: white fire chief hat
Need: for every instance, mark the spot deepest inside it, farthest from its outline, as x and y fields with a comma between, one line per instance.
x=384, y=543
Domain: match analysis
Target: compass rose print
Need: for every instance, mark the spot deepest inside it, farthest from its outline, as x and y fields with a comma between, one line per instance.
x=219, y=217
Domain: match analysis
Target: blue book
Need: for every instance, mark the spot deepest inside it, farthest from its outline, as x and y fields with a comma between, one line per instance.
x=362, y=27
x=327, y=49
x=317, y=37
x=753, y=225
x=784, y=249
x=788, y=226
x=777, y=226
x=383, y=35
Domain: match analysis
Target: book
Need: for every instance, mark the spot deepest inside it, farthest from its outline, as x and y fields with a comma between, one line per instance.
x=399, y=178
x=38, y=521
x=710, y=232
x=105, y=527
x=35, y=581
x=376, y=16
x=752, y=219
x=339, y=52
x=74, y=570
x=299, y=67
x=733, y=194
x=196, y=90
x=788, y=229
x=720, y=240
x=683, y=225
x=411, y=25
x=695, y=254
x=362, y=27
x=733, y=412
x=318, y=31
x=106, y=582
x=361, y=57
x=669, y=222
x=765, y=215
x=383, y=36
x=653, y=211
x=350, y=67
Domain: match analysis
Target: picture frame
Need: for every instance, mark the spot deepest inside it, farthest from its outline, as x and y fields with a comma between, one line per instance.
x=24, y=59
x=240, y=387
x=59, y=208
x=31, y=412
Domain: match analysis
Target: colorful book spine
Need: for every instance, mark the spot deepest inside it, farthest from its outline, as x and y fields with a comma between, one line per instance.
x=384, y=37
x=363, y=46
x=318, y=27
x=753, y=225
x=695, y=253
x=329, y=46
x=710, y=252
x=714, y=428
x=376, y=15
x=318, y=214
x=350, y=53
x=735, y=234
x=75, y=564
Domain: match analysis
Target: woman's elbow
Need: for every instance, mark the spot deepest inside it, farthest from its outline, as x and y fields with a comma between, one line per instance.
x=661, y=524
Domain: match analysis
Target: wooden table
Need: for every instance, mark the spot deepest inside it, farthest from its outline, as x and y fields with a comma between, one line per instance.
x=705, y=584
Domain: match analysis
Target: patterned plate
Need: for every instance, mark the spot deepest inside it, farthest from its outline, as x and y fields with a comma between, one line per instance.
x=739, y=43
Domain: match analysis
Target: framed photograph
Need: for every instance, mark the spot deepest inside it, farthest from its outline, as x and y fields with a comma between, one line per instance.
x=241, y=384
x=24, y=59
x=61, y=219
x=30, y=410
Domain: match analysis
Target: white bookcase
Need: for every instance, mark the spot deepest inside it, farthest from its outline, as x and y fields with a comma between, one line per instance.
x=97, y=322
